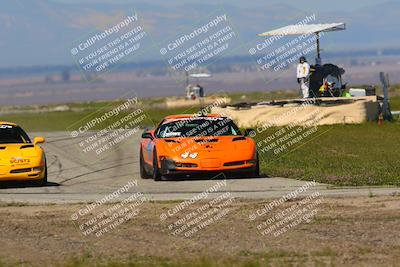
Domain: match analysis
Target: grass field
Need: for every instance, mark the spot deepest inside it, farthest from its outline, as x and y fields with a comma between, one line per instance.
x=343, y=232
x=244, y=259
x=363, y=154
x=64, y=121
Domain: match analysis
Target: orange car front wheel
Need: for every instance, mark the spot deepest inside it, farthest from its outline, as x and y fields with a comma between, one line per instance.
x=143, y=171
x=156, y=171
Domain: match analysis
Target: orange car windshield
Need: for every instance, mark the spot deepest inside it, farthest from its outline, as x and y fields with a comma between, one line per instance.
x=193, y=127
x=10, y=134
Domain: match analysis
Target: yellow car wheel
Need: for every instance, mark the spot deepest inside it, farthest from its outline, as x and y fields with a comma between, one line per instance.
x=43, y=181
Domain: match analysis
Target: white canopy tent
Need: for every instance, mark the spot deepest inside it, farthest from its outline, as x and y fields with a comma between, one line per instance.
x=200, y=75
x=197, y=76
x=300, y=29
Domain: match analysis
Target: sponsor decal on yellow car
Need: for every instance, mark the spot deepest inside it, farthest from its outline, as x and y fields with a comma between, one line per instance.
x=19, y=161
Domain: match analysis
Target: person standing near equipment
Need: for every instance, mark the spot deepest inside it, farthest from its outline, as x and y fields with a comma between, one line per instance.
x=303, y=71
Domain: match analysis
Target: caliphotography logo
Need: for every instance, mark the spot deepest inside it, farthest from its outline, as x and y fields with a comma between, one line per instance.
x=199, y=133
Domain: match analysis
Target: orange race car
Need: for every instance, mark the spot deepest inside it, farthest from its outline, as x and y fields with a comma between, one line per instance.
x=189, y=146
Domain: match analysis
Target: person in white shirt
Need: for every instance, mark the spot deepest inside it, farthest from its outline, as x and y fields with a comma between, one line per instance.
x=303, y=71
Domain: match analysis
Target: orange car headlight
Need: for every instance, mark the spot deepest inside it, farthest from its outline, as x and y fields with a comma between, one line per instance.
x=191, y=155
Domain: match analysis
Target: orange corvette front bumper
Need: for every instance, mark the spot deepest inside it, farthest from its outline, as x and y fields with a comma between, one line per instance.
x=170, y=167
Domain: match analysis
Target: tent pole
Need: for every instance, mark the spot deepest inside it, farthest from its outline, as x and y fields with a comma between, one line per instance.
x=318, y=59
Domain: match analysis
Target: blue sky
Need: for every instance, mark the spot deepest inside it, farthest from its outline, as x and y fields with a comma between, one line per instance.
x=49, y=27
x=311, y=5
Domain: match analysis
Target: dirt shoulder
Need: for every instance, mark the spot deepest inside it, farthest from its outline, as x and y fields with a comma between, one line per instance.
x=362, y=231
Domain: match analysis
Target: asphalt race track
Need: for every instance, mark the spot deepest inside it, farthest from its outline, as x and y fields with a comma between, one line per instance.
x=75, y=176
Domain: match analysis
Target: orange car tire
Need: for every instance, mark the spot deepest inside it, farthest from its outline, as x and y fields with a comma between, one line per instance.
x=156, y=171
x=143, y=172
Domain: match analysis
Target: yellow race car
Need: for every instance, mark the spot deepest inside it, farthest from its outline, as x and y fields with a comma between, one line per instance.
x=20, y=159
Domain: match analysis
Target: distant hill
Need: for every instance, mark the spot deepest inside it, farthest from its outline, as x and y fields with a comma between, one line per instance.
x=40, y=32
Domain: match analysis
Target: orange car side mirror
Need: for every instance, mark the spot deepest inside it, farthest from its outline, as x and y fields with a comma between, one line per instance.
x=250, y=132
x=147, y=135
x=38, y=140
